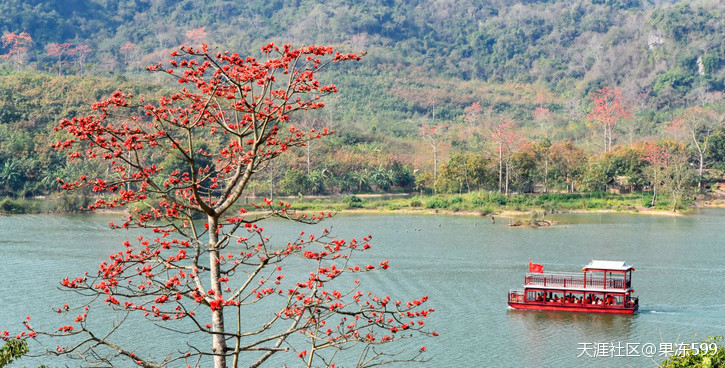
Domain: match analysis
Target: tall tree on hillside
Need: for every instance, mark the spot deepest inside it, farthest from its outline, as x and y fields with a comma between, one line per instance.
x=477, y=120
x=501, y=133
x=435, y=136
x=506, y=138
x=81, y=53
x=17, y=45
x=542, y=153
x=61, y=52
x=695, y=125
x=209, y=263
x=314, y=127
x=542, y=115
x=130, y=53
x=658, y=156
x=567, y=164
x=609, y=108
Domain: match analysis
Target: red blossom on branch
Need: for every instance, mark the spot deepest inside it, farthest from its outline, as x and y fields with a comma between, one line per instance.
x=18, y=45
x=230, y=118
x=608, y=110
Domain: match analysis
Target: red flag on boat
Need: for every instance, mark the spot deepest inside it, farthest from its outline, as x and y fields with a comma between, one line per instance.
x=535, y=267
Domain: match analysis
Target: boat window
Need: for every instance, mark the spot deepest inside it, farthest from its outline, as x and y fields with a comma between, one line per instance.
x=556, y=297
x=594, y=298
x=574, y=297
x=615, y=299
x=615, y=281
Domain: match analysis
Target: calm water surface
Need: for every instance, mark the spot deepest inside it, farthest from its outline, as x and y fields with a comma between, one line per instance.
x=466, y=265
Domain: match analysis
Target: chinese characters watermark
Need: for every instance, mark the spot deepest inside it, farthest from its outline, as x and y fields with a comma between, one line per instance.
x=649, y=350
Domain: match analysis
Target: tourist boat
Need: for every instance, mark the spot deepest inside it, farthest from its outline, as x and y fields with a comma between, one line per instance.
x=601, y=287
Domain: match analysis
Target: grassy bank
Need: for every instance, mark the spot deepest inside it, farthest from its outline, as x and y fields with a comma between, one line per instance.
x=477, y=203
x=485, y=203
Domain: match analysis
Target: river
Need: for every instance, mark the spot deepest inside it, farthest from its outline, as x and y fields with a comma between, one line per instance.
x=466, y=265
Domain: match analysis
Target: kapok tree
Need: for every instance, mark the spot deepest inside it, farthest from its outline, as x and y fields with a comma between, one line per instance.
x=130, y=52
x=210, y=269
x=17, y=45
x=658, y=156
x=506, y=139
x=608, y=110
x=61, y=52
x=435, y=135
x=81, y=53
x=670, y=160
x=696, y=125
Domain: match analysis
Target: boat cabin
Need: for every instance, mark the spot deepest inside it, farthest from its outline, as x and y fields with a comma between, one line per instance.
x=602, y=286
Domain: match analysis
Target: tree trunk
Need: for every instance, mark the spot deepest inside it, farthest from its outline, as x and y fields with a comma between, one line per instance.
x=500, y=168
x=654, y=190
x=219, y=343
x=546, y=176
x=435, y=169
x=308, y=157
x=507, y=177
x=699, y=172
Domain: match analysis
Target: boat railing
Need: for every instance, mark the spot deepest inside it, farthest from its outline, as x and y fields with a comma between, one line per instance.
x=574, y=280
x=634, y=301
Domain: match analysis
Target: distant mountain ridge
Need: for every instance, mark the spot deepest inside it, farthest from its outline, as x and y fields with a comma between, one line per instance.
x=669, y=54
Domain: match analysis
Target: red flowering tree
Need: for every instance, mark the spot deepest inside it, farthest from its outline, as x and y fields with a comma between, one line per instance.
x=210, y=269
x=609, y=109
x=81, y=53
x=61, y=52
x=196, y=36
x=130, y=53
x=505, y=136
x=18, y=45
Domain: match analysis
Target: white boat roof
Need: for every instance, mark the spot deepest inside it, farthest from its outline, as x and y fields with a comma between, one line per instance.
x=608, y=265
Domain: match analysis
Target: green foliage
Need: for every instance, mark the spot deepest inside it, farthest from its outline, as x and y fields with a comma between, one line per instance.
x=510, y=57
x=295, y=182
x=30, y=106
x=716, y=153
x=13, y=349
x=436, y=203
x=675, y=78
x=711, y=63
x=353, y=201
x=18, y=206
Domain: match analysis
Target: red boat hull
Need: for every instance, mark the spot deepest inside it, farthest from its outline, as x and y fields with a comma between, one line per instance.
x=572, y=308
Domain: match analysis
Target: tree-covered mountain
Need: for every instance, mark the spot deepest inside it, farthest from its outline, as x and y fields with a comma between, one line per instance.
x=670, y=53
x=536, y=64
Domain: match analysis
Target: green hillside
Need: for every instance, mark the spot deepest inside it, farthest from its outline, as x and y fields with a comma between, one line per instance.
x=535, y=63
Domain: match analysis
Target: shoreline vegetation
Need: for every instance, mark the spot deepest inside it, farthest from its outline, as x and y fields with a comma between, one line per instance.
x=528, y=210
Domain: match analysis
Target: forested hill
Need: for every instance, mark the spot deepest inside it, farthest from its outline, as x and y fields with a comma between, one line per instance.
x=535, y=63
x=669, y=53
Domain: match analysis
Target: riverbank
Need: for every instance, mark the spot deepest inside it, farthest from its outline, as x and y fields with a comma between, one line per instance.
x=524, y=208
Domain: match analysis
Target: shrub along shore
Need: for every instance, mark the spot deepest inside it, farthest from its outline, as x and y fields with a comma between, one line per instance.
x=528, y=206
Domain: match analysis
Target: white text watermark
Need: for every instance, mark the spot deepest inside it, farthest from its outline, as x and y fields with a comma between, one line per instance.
x=649, y=350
